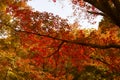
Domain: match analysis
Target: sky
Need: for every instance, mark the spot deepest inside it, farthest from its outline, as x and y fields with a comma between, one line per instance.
x=64, y=8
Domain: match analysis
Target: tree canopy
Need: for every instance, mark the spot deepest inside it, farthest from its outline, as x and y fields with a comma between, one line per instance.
x=40, y=45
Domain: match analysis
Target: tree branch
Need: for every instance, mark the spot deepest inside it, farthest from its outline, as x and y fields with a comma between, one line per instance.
x=106, y=63
x=107, y=9
x=117, y=5
x=78, y=43
x=97, y=13
x=101, y=60
x=60, y=45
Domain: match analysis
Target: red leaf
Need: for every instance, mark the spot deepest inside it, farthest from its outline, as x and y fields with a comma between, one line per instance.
x=54, y=0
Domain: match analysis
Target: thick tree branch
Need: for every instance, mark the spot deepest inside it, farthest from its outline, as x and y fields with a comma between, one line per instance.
x=78, y=43
x=104, y=5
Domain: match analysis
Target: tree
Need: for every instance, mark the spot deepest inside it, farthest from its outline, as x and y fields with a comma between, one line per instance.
x=108, y=8
x=43, y=46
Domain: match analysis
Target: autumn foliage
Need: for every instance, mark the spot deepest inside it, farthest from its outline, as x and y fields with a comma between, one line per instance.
x=43, y=46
